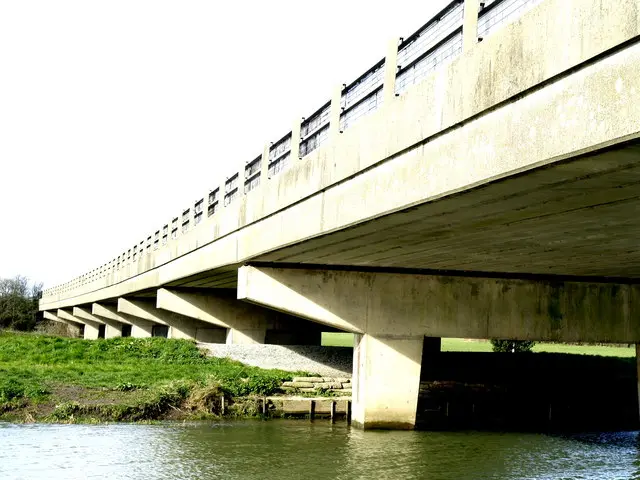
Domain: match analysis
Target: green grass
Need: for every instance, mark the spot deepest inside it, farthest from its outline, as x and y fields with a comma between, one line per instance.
x=463, y=345
x=34, y=367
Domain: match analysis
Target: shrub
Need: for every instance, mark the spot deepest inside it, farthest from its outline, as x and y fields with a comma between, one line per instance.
x=512, y=346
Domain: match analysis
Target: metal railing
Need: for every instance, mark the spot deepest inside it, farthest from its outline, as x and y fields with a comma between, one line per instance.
x=431, y=46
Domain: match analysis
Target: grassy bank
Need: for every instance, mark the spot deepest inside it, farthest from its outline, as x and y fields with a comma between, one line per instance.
x=48, y=378
x=463, y=345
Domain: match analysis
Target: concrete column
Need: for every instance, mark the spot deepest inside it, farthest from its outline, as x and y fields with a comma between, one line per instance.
x=386, y=381
x=179, y=325
x=334, y=113
x=245, y=323
x=470, y=24
x=390, y=71
x=109, y=314
x=91, y=329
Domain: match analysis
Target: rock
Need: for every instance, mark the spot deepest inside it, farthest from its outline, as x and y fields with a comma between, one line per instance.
x=308, y=379
x=329, y=385
x=296, y=384
x=346, y=385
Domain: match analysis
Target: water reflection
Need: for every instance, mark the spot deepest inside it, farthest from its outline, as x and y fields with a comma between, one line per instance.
x=300, y=450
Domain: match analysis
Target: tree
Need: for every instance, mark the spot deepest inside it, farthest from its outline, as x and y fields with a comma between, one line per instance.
x=512, y=346
x=19, y=303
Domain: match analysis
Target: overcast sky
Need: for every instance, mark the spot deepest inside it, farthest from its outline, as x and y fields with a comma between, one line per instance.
x=115, y=115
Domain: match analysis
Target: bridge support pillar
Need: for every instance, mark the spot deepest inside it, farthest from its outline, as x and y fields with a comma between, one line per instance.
x=179, y=325
x=116, y=322
x=91, y=328
x=386, y=381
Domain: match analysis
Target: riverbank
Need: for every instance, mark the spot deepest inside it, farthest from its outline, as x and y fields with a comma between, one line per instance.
x=52, y=379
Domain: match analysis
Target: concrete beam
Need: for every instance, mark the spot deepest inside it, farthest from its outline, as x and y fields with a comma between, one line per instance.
x=246, y=323
x=110, y=313
x=179, y=325
x=74, y=326
x=91, y=328
x=139, y=328
x=85, y=314
x=450, y=306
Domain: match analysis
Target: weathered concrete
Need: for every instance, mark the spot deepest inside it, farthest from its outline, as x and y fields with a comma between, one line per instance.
x=386, y=381
x=392, y=312
x=73, y=329
x=582, y=108
x=246, y=323
x=384, y=304
x=91, y=328
x=112, y=328
x=180, y=326
x=139, y=328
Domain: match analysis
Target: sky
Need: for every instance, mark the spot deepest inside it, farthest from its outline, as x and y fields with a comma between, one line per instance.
x=117, y=115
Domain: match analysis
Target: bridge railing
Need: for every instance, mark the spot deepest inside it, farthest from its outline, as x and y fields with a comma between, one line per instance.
x=436, y=43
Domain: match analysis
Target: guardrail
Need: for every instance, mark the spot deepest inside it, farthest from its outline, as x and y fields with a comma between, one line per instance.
x=436, y=43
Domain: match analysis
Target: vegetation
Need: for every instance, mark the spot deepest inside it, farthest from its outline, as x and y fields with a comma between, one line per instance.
x=19, y=303
x=465, y=345
x=62, y=379
x=512, y=346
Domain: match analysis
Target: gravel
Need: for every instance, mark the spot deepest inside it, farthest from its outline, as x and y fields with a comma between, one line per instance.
x=324, y=361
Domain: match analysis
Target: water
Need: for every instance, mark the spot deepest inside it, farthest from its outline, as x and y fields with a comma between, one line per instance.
x=300, y=450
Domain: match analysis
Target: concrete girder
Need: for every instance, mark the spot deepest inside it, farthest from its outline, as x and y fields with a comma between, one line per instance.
x=553, y=309
x=91, y=328
x=246, y=323
x=139, y=328
x=179, y=325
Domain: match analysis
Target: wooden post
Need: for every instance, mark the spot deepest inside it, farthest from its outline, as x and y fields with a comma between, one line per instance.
x=312, y=409
x=349, y=411
x=333, y=411
x=222, y=404
x=264, y=406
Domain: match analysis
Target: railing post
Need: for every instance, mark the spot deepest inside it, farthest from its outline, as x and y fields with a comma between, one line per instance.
x=264, y=166
x=334, y=112
x=390, y=71
x=295, y=140
x=470, y=24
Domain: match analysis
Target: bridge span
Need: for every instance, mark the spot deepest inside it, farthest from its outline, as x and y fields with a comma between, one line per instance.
x=482, y=180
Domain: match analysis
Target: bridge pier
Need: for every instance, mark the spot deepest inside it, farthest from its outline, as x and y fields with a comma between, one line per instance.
x=76, y=328
x=179, y=325
x=244, y=323
x=393, y=312
x=92, y=329
x=117, y=322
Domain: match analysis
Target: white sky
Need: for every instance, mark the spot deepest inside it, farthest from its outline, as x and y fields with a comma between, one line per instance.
x=115, y=115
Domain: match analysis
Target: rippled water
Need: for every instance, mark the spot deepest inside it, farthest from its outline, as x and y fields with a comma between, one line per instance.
x=302, y=450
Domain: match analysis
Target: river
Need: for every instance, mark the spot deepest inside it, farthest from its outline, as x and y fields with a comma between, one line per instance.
x=283, y=449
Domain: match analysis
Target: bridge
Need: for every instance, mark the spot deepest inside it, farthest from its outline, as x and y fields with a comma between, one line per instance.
x=482, y=180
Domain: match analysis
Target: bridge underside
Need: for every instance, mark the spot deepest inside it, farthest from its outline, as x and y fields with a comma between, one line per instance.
x=578, y=217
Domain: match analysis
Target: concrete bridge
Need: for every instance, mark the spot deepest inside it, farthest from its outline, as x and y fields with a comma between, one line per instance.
x=481, y=180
